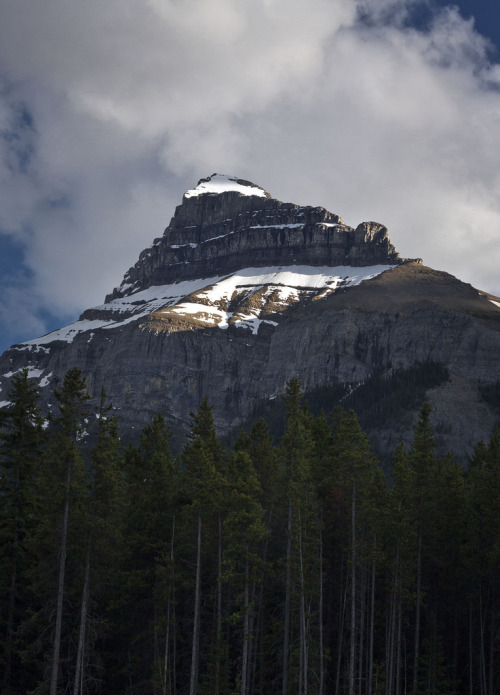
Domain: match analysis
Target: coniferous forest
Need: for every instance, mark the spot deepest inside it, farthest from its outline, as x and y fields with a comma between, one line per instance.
x=288, y=568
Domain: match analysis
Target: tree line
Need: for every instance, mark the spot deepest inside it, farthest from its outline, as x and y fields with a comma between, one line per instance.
x=267, y=569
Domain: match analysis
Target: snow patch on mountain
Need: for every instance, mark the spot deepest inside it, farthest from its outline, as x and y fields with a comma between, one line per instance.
x=220, y=183
x=33, y=373
x=66, y=334
x=211, y=300
x=46, y=380
x=271, y=288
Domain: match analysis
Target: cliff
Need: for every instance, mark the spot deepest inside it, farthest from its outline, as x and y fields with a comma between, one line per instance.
x=242, y=292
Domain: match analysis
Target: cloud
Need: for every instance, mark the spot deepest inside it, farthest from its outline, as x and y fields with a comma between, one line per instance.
x=108, y=112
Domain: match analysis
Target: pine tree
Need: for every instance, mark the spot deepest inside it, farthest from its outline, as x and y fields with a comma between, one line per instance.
x=244, y=530
x=484, y=563
x=103, y=515
x=302, y=546
x=21, y=437
x=422, y=461
x=204, y=462
x=71, y=399
x=56, y=544
x=265, y=459
x=400, y=541
x=139, y=610
x=355, y=482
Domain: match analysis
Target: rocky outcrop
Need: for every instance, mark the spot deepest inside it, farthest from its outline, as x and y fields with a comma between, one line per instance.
x=217, y=233
x=177, y=331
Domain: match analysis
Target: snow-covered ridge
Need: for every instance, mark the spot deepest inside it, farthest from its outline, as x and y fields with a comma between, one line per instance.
x=220, y=183
x=208, y=299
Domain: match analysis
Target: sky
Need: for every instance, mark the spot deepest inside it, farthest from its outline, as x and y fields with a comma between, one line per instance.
x=385, y=110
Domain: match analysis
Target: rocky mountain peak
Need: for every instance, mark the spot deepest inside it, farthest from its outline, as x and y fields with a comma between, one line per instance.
x=218, y=184
x=226, y=223
x=243, y=291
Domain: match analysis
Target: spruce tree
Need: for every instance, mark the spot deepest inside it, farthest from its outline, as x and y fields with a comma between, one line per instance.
x=103, y=512
x=244, y=530
x=56, y=544
x=203, y=463
x=139, y=610
x=483, y=559
x=356, y=482
x=302, y=546
x=71, y=399
x=422, y=462
x=21, y=438
x=265, y=458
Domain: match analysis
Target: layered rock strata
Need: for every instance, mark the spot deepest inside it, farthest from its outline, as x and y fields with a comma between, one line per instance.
x=281, y=291
x=219, y=230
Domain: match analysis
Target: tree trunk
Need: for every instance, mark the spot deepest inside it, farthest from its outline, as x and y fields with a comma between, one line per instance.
x=286, y=630
x=392, y=640
x=167, y=647
x=10, y=617
x=169, y=603
x=482, y=660
x=417, y=613
x=320, y=617
x=83, y=624
x=60, y=590
x=303, y=640
x=195, y=657
x=341, y=631
x=246, y=630
x=12, y=587
x=372, y=619
x=352, y=654
x=252, y=638
x=491, y=678
x=219, y=610
x=174, y=646
x=257, y=651
x=471, y=659
x=398, y=647
x=361, y=630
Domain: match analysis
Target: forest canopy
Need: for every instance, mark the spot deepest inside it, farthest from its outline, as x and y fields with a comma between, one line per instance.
x=289, y=567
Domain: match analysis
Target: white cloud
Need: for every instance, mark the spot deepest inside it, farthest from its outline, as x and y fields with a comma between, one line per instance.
x=329, y=102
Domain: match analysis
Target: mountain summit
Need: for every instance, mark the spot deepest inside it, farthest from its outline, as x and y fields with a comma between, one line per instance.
x=225, y=224
x=243, y=291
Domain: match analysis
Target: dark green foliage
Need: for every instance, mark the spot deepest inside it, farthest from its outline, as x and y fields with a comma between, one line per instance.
x=20, y=448
x=105, y=507
x=385, y=396
x=277, y=567
x=138, y=609
x=57, y=545
x=274, y=414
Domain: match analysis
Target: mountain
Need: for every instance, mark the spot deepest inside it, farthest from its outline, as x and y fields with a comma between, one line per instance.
x=242, y=292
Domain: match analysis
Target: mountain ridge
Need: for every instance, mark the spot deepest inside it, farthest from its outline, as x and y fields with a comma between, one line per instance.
x=220, y=229
x=175, y=330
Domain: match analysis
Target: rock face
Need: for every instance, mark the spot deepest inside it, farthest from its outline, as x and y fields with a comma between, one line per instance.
x=218, y=230
x=243, y=292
